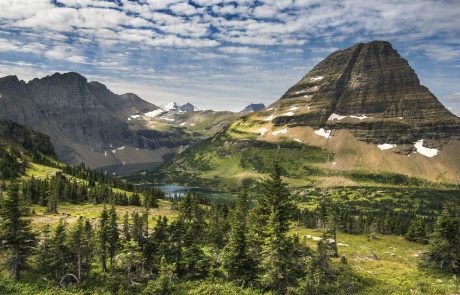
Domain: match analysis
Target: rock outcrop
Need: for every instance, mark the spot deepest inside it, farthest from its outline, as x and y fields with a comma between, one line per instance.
x=253, y=107
x=370, y=90
x=82, y=118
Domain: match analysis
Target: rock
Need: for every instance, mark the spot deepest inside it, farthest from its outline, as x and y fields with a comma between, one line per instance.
x=253, y=107
x=374, y=93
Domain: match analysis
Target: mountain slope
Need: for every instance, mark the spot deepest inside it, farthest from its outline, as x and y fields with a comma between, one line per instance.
x=363, y=106
x=85, y=121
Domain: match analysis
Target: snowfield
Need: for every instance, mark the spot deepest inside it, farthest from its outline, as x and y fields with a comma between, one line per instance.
x=323, y=132
x=386, y=146
x=319, y=78
x=424, y=150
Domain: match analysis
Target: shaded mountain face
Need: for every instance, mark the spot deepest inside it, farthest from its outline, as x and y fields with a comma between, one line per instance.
x=32, y=141
x=82, y=119
x=253, y=107
x=371, y=91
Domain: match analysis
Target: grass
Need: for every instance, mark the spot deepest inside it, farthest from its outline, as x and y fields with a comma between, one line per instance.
x=396, y=272
x=71, y=212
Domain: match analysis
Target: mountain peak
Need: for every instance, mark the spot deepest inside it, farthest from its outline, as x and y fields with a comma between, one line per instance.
x=253, y=107
x=368, y=80
x=175, y=107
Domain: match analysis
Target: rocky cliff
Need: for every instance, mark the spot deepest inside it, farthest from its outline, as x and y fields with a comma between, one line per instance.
x=83, y=119
x=370, y=90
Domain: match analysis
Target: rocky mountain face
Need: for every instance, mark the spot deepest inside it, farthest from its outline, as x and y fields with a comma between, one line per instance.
x=32, y=141
x=83, y=119
x=253, y=107
x=370, y=90
x=177, y=108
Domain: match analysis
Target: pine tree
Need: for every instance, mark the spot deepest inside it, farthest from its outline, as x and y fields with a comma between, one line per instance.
x=417, y=232
x=114, y=237
x=237, y=263
x=104, y=229
x=81, y=247
x=16, y=237
x=276, y=255
x=53, y=196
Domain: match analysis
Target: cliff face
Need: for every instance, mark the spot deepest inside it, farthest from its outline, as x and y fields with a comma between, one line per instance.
x=79, y=117
x=371, y=91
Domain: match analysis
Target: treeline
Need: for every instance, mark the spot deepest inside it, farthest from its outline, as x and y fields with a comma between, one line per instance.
x=11, y=163
x=415, y=225
x=231, y=248
x=60, y=188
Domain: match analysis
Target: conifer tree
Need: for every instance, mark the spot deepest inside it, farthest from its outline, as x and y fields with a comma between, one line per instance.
x=276, y=255
x=16, y=237
x=444, y=251
x=114, y=237
x=60, y=250
x=126, y=228
x=45, y=254
x=104, y=233
x=237, y=263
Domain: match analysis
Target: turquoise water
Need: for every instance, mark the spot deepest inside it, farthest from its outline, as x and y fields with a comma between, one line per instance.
x=178, y=191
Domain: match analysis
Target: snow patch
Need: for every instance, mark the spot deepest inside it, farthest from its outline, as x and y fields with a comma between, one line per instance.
x=270, y=109
x=293, y=108
x=298, y=140
x=129, y=119
x=182, y=124
x=359, y=117
x=135, y=116
x=269, y=118
x=400, y=118
x=105, y=153
x=319, y=78
x=307, y=96
x=122, y=148
x=262, y=131
x=192, y=124
x=288, y=114
x=424, y=150
x=282, y=131
x=154, y=113
x=167, y=119
x=323, y=132
x=386, y=146
x=114, y=151
x=335, y=116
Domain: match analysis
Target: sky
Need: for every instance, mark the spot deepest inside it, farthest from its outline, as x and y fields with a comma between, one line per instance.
x=221, y=54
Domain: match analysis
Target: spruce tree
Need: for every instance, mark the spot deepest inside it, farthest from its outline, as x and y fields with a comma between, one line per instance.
x=114, y=237
x=104, y=229
x=276, y=255
x=126, y=228
x=45, y=254
x=16, y=237
x=444, y=250
x=60, y=250
x=237, y=263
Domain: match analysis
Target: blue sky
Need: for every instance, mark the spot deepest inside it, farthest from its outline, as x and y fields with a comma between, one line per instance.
x=221, y=54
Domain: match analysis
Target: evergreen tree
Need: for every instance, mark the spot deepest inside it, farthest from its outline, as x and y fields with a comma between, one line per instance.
x=45, y=254
x=104, y=233
x=126, y=228
x=114, y=237
x=417, y=232
x=60, y=250
x=80, y=245
x=237, y=263
x=276, y=255
x=16, y=237
x=444, y=251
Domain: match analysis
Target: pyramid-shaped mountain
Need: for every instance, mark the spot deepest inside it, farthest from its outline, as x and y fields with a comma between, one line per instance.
x=372, y=91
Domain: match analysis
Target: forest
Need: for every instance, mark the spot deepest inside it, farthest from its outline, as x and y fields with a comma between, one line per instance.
x=208, y=248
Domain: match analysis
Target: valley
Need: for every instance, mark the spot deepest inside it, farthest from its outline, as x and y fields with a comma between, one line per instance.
x=349, y=183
